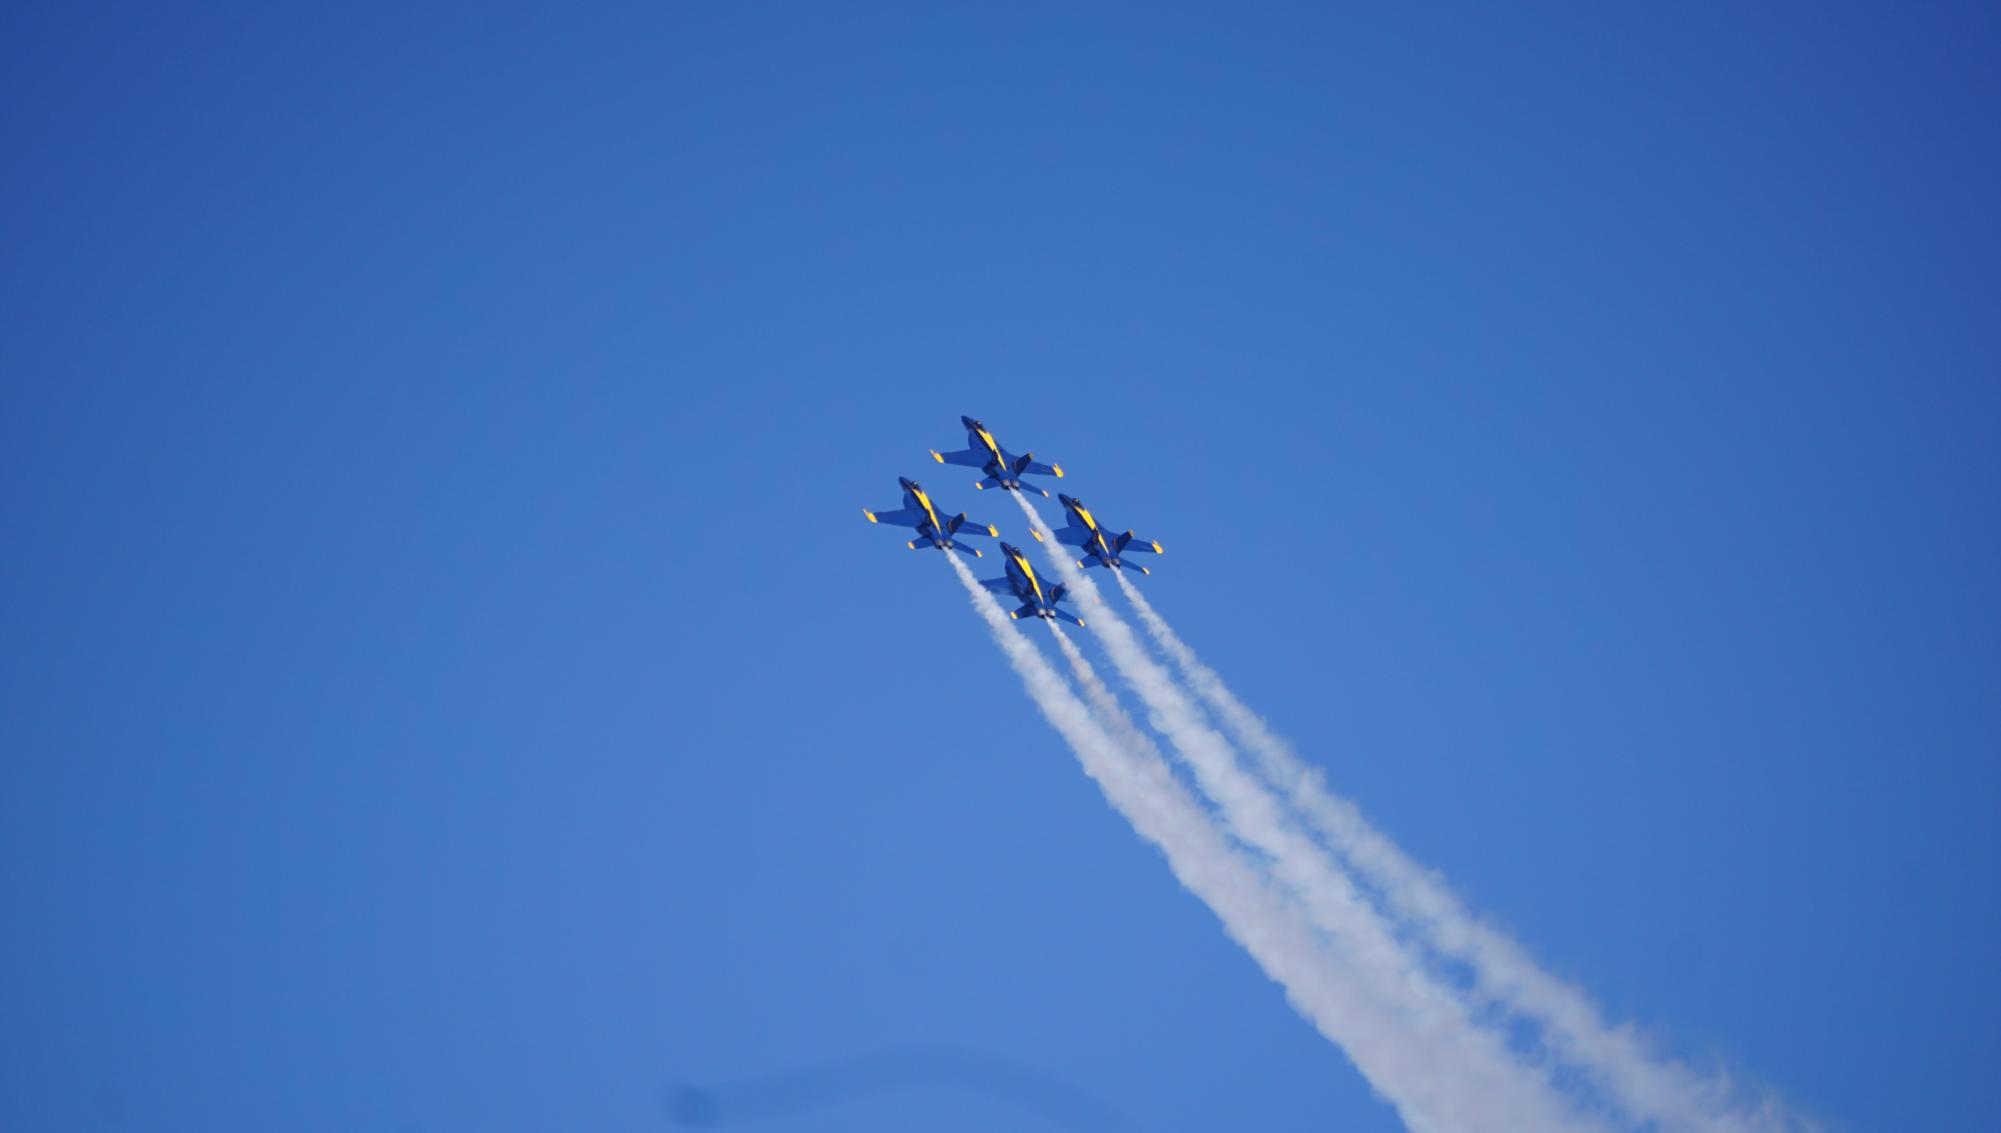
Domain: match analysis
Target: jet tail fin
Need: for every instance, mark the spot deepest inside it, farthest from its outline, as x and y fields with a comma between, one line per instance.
x=1034, y=467
x=973, y=527
x=1026, y=463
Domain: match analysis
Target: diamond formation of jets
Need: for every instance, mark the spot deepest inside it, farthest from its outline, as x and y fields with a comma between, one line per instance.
x=1099, y=549
x=1003, y=469
x=918, y=512
x=1022, y=583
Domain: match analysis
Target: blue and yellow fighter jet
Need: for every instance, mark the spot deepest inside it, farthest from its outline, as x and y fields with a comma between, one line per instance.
x=1023, y=584
x=931, y=531
x=1084, y=533
x=1003, y=468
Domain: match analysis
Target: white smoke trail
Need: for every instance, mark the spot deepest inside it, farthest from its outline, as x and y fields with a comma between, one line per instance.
x=1103, y=700
x=1471, y=1064
x=1399, y=1067
x=1644, y=1086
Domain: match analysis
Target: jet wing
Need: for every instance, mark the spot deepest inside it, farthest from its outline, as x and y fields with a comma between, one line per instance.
x=969, y=457
x=901, y=517
x=1075, y=535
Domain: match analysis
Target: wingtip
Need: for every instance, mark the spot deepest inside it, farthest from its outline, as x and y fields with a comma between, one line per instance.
x=937, y=456
x=979, y=554
x=871, y=516
x=993, y=531
x=1157, y=548
x=1059, y=473
x=1037, y=534
x=1044, y=491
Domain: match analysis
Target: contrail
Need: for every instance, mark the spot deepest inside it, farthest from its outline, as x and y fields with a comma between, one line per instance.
x=1466, y=1061
x=1429, y=1098
x=1645, y=1087
x=1103, y=700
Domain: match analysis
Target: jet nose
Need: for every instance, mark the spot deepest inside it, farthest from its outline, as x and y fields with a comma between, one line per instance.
x=968, y=422
x=1009, y=548
x=906, y=481
x=1066, y=501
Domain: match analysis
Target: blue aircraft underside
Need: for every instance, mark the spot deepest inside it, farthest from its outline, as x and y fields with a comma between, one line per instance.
x=1021, y=583
x=1004, y=470
x=1085, y=533
x=933, y=530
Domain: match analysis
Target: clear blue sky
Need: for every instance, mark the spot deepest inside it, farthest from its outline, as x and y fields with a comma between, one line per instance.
x=448, y=682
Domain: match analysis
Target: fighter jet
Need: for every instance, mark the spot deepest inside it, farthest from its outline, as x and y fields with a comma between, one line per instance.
x=931, y=532
x=1022, y=583
x=1099, y=549
x=1003, y=469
